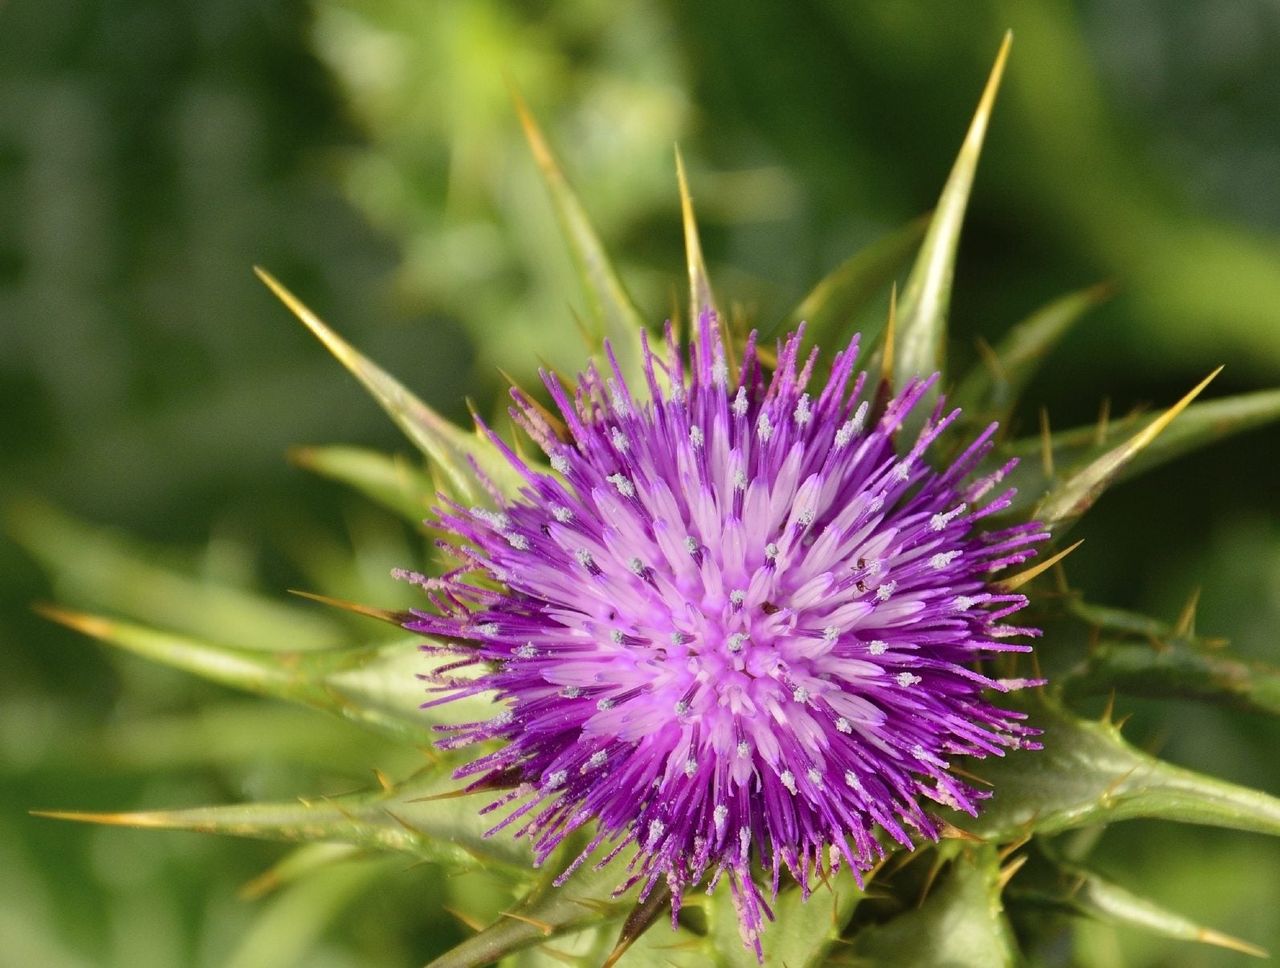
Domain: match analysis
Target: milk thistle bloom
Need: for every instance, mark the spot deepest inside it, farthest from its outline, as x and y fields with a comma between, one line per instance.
x=735, y=624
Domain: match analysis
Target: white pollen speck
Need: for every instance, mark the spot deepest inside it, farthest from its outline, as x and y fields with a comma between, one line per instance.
x=561, y=513
x=831, y=633
x=740, y=403
x=624, y=486
x=740, y=479
x=691, y=544
x=598, y=758
x=805, y=517
x=560, y=464
x=886, y=590
x=682, y=708
x=619, y=399
x=504, y=718
x=656, y=830
x=527, y=651
x=720, y=814
x=696, y=436
x=860, y=416
x=844, y=435
x=719, y=373
x=690, y=767
x=940, y=521
x=764, y=427
x=735, y=642
x=744, y=840
x=636, y=566
x=788, y=780
x=488, y=629
x=771, y=551
x=555, y=779
x=852, y=781
x=737, y=596
x=906, y=679
x=843, y=725
x=744, y=749
x=815, y=777
x=962, y=603
x=584, y=557
x=619, y=439
x=518, y=541
x=617, y=636
x=902, y=471
x=943, y=558
x=803, y=414
x=801, y=694
x=571, y=692
x=677, y=638
x=918, y=752
x=604, y=705
x=878, y=647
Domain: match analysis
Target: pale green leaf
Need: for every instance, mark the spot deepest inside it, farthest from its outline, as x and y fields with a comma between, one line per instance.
x=389, y=480
x=960, y=924
x=803, y=933
x=1087, y=774
x=613, y=314
x=375, y=686
x=1085, y=893
x=450, y=448
x=920, y=343
x=421, y=816
x=1199, y=425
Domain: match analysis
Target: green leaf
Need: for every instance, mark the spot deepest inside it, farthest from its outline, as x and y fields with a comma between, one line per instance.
x=960, y=924
x=1070, y=499
x=832, y=306
x=1085, y=893
x=1087, y=774
x=613, y=314
x=298, y=864
x=421, y=816
x=920, y=341
x=547, y=912
x=376, y=686
x=1200, y=425
x=992, y=388
x=451, y=448
x=390, y=480
x=101, y=567
x=1175, y=672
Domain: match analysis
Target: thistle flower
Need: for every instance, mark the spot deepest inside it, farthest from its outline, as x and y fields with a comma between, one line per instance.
x=735, y=624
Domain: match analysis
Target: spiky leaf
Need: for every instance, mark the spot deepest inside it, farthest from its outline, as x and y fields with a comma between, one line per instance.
x=451, y=449
x=421, y=816
x=1087, y=774
x=925, y=301
x=376, y=686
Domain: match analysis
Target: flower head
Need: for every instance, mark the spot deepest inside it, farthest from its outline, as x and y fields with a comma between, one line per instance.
x=738, y=625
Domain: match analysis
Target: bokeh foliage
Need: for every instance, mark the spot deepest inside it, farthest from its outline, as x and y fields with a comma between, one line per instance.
x=148, y=158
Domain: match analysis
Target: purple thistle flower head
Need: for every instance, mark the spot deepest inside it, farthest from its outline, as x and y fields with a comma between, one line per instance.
x=736, y=626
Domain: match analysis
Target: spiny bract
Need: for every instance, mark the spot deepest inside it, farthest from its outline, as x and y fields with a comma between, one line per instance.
x=734, y=623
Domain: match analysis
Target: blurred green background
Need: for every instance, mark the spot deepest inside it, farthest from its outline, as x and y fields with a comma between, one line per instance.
x=367, y=153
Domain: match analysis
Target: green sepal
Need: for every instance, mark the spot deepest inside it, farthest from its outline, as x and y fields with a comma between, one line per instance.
x=613, y=315
x=1175, y=672
x=449, y=447
x=1078, y=891
x=960, y=923
x=375, y=686
x=922, y=310
x=832, y=307
x=1087, y=774
x=424, y=816
x=991, y=389
x=387, y=479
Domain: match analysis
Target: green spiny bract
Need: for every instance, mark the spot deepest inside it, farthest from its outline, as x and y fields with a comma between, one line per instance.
x=954, y=902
